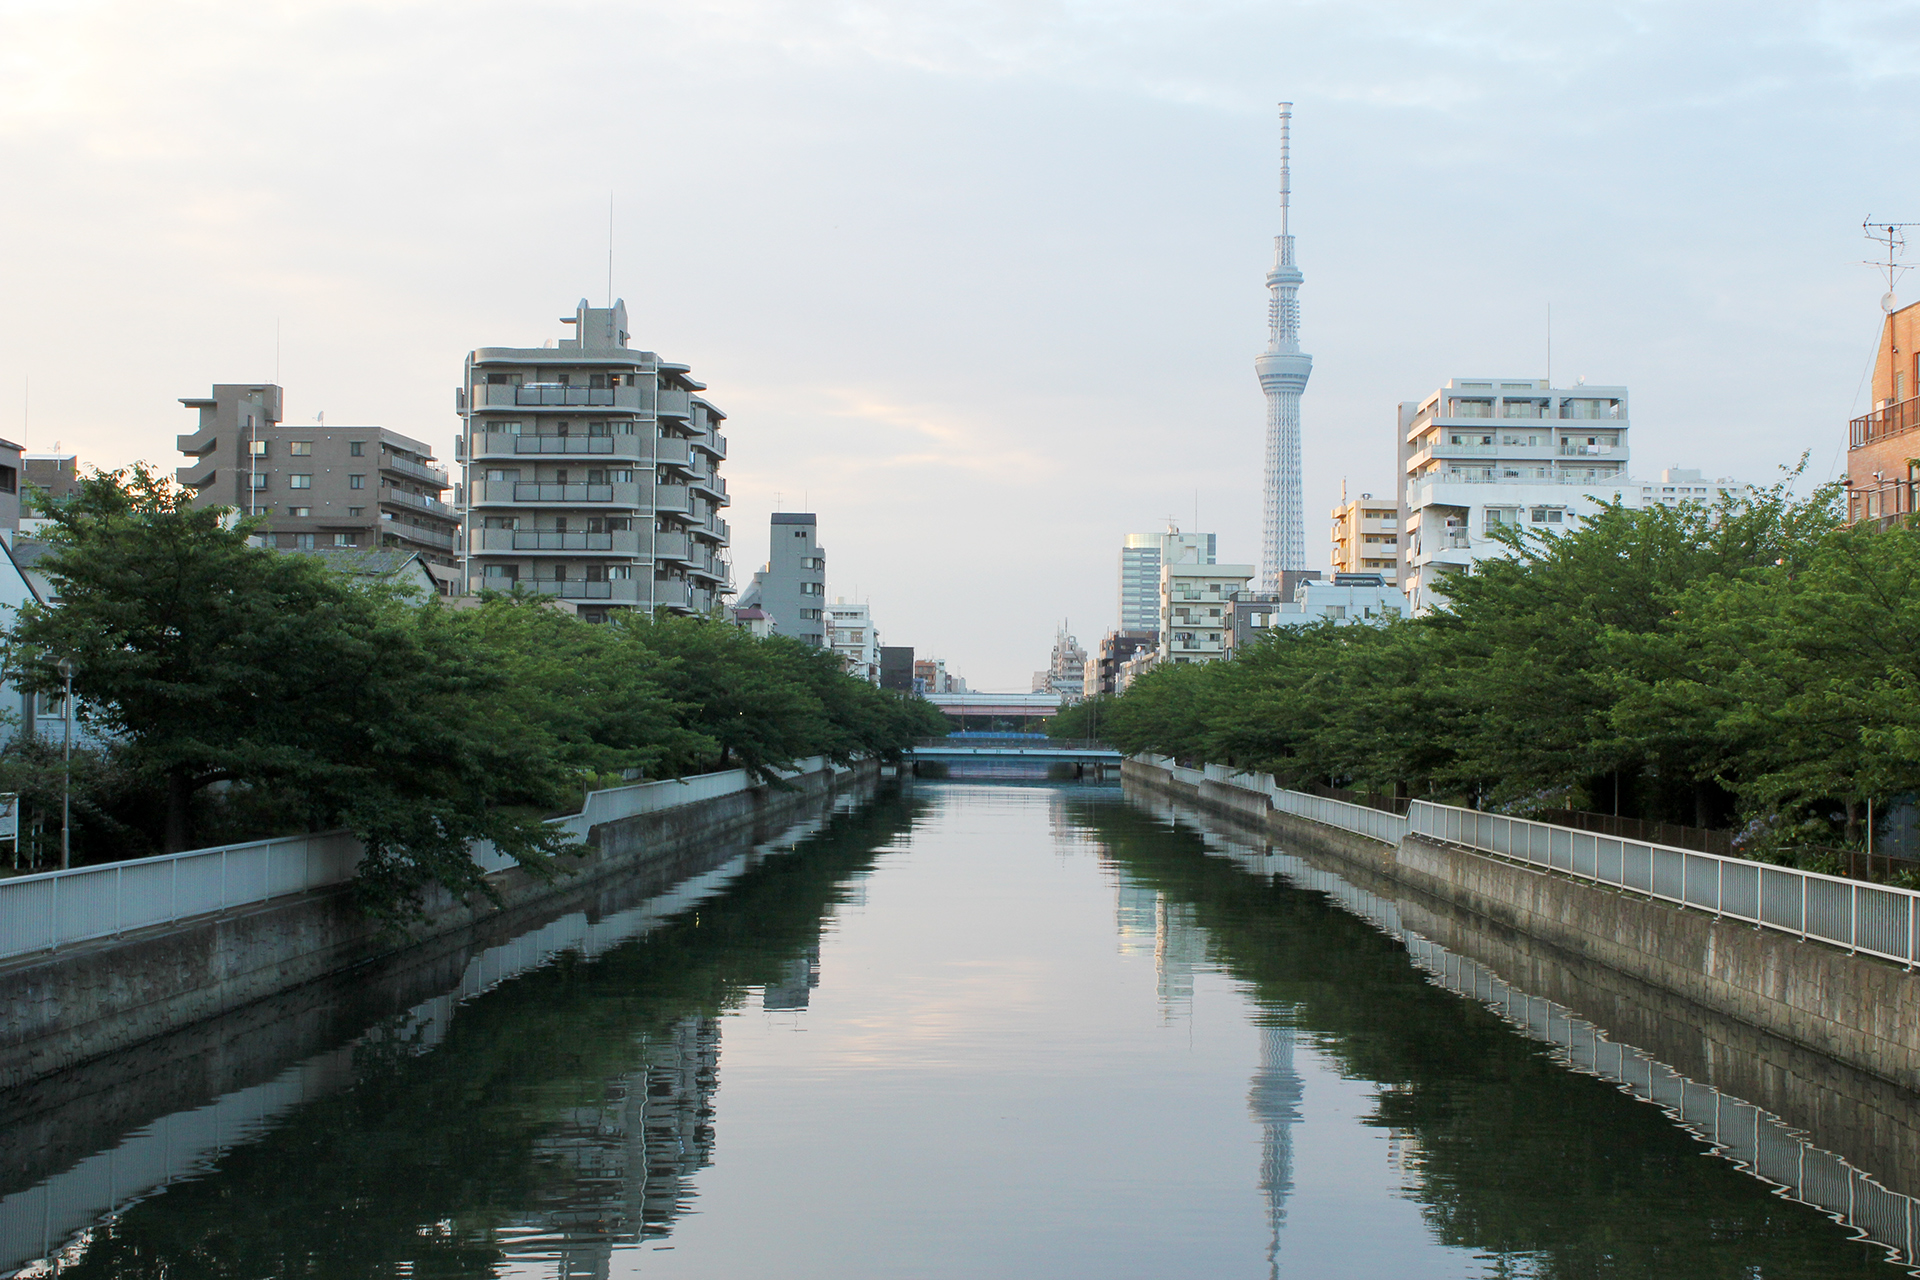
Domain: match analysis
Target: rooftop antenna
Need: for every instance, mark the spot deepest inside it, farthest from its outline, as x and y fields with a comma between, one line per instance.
x=1893, y=236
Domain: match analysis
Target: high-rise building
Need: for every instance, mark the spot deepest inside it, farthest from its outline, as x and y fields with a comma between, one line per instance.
x=1140, y=559
x=56, y=475
x=1283, y=370
x=1366, y=537
x=792, y=588
x=896, y=667
x=593, y=473
x=852, y=635
x=1101, y=674
x=1477, y=454
x=1066, y=669
x=316, y=485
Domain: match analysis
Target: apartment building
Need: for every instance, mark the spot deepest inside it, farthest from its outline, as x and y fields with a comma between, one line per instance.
x=1100, y=676
x=1678, y=486
x=852, y=635
x=792, y=588
x=56, y=475
x=593, y=473
x=1476, y=454
x=1880, y=479
x=1140, y=559
x=1366, y=537
x=1193, y=601
x=1066, y=669
x=316, y=485
x=930, y=676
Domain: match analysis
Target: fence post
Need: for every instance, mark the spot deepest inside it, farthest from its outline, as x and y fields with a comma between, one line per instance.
x=1803, y=903
x=53, y=926
x=1853, y=917
x=1719, y=886
x=119, y=874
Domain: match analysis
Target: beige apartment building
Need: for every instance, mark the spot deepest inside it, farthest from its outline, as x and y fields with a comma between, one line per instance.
x=593, y=473
x=1366, y=537
x=318, y=486
x=1193, y=606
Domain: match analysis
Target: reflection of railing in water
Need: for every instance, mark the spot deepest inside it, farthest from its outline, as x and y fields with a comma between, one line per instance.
x=1753, y=1139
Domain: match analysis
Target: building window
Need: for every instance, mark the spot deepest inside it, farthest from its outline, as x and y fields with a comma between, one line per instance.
x=510, y=572
x=356, y=482
x=257, y=448
x=299, y=481
x=1547, y=515
x=356, y=511
x=258, y=480
x=356, y=448
x=298, y=448
x=299, y=513
x=342, y=539
x=303, y=541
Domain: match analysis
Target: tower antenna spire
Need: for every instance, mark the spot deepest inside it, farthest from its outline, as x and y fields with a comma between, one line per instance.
x=1283, y=369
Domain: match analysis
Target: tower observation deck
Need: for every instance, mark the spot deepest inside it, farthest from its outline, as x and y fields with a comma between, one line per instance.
x=1283, y=368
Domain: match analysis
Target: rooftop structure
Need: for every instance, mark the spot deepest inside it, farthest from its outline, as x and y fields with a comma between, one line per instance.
x=593, y=473
x=1283, y=369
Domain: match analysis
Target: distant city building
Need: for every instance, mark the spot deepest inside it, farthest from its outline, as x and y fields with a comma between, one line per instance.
x=1366, y=537
x=852, y=635
x=1140, y=559
x=1138, y=665
x=930, y=676
x=896, y=667
x=593, y=473
x=1477, y=454
x=317, y=485
x=792, y=588
x=1880, y=479
x=1193, y=600
x=1101, y=673
x=1676, y=486
x=55, y=474
x=1346, y=599
x=1066, y=669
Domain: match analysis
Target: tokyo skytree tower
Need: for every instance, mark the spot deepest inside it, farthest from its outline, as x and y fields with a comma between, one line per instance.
x=1283, y=370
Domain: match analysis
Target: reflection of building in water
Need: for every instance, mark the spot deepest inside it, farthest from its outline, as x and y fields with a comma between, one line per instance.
x=622, y=1167
x=1179, y=947
x=1136, y=914
x=799, y=976
x=1274, y=1100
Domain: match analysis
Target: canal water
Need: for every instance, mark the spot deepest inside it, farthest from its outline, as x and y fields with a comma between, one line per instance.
x=965, y=1029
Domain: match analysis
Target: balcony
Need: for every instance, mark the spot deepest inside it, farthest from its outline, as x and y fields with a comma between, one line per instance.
x=414, y=533
x=1895, y=419
x=671, y=546
x=573, y=444
x=714, y=487
x=618, y=591
x=672, y=499
x=670, y=593
x=419, y=503
x=407, y=467
x=714, y=444
x=620, y=542
x=1589, y=450
x=545, y=491
x=673, y=451
x=674, y=404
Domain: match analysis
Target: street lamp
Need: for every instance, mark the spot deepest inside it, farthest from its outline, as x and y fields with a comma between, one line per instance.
x=65, y=668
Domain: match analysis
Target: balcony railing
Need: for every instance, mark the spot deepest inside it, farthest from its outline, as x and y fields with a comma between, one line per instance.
x=1895, y=419
x=622, y=589
x=1586, y=450
x=407, y=467
x=414, y=533
x=671, y=498
x=538, y=491
x=674, y=404
x=552, y=540
x=566, y=444
x=419, y=502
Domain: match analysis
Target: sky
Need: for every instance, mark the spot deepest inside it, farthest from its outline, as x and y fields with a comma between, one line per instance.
x=979, y=282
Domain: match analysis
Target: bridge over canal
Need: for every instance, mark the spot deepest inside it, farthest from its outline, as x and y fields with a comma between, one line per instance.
x=1012, y=755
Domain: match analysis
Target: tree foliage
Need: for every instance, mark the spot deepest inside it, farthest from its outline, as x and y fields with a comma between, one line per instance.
x=246, y=688
x=1755, y=658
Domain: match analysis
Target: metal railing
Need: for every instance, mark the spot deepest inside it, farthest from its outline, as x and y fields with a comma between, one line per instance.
x=1894, y=419
x=56, y=908
x=60, y=908
x=1876, y=919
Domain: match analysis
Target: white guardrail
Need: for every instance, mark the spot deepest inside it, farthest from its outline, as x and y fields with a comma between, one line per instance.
x=57, y=908
x=1878, y=920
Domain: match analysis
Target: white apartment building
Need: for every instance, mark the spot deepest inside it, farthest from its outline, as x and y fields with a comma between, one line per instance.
x=1140, y=559
x=1366, y=537
x=1480, y=453
x=1193, y=607
x=1677, y=486
x=852, y=635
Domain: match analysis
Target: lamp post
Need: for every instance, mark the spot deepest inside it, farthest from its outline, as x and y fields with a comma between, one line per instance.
x=65, y=667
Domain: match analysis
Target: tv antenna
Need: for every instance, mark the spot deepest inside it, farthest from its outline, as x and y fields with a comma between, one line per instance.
x=1894, y=236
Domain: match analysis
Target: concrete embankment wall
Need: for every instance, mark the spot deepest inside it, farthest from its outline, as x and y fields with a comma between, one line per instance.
x=74, y=1005
x=1853, y=1009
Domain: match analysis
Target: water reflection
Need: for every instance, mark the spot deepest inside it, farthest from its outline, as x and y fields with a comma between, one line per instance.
x=1156, y=1051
